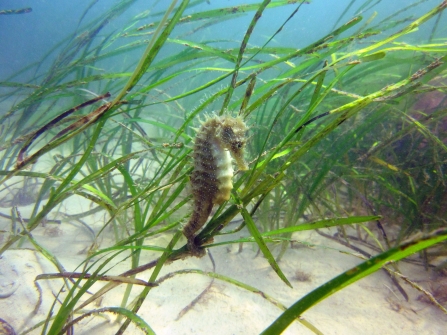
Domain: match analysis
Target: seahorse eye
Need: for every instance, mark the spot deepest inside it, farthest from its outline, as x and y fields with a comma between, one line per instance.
x=237, y=145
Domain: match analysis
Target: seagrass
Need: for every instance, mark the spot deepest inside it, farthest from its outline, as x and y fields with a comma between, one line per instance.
x=335, y=137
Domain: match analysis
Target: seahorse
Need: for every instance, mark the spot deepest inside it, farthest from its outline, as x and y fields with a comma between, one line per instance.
x=218, y=139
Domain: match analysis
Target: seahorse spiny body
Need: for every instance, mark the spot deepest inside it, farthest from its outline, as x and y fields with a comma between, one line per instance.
x=218, y=139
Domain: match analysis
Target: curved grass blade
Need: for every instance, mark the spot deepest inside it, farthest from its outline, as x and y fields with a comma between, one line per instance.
x=247, y=35
x=351, y=276
x=154, y=47
x=132, y=317
x=244, y=286
x=16, y=11
x=258, y=238
x=153, y=277
x=203, y=47
x=32, y=137
x=323, y=224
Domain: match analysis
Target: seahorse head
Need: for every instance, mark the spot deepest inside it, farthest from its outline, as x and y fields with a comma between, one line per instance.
x=232, y=134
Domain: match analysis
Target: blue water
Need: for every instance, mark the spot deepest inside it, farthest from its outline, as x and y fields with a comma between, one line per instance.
x=28, y=38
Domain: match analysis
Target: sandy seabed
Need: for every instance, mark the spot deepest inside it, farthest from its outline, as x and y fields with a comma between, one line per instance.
x=371, y=306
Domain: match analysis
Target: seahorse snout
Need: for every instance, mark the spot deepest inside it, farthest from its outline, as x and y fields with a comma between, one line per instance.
x=240, y=161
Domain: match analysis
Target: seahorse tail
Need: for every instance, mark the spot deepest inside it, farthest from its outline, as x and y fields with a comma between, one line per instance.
x=198, y=218
x=191, y=227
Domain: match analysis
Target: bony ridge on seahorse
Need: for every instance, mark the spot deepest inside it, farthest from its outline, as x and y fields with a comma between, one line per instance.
x=218, y=139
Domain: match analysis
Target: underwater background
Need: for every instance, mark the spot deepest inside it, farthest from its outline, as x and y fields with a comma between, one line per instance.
x=336, y=225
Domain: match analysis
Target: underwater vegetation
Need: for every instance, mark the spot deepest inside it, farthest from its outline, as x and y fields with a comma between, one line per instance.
x=347, y=131
x=15, y=11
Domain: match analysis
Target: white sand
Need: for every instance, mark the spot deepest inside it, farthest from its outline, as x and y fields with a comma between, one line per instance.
x=370, y=306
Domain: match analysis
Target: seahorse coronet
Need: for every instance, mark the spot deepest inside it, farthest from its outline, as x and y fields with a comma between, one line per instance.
x=219, y=139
